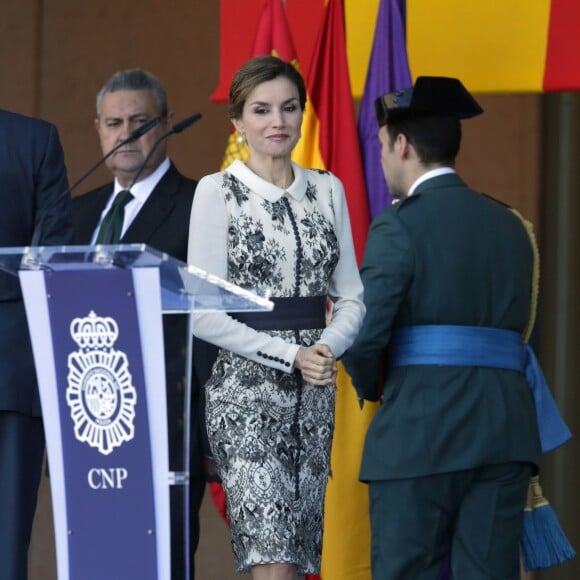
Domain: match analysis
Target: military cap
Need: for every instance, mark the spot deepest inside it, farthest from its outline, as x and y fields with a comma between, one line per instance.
x=438, y=95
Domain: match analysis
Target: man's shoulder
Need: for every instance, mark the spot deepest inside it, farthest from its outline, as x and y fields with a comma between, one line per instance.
x=397, y=205
x=10, y=119
x=29, y=137
x=174, y=178
x=494, y=199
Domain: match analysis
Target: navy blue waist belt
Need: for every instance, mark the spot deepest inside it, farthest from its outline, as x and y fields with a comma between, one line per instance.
x=477, y=346
x=294, y=313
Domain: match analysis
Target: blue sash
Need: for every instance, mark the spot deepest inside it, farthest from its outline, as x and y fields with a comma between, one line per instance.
x=478, y=346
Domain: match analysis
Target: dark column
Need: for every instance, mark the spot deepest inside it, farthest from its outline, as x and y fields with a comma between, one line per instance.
x=559, y=320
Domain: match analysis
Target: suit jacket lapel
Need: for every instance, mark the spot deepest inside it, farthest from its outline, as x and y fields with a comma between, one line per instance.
x=89, y=210
x=155, y=210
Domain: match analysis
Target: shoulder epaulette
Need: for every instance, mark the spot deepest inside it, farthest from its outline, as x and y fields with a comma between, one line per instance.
x=397, y=204
x=496, y=200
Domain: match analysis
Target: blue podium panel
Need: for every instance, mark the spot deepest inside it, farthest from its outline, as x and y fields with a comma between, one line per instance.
x=95, y=319
x=106, y=408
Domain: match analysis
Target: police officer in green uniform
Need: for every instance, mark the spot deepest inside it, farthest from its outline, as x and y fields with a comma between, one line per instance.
x=448, y=277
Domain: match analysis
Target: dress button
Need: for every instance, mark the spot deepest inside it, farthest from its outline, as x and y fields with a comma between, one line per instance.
x=259, y=353
x=286, y=364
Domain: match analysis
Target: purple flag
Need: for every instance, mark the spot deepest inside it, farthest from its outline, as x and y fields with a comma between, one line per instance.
x=388, y=71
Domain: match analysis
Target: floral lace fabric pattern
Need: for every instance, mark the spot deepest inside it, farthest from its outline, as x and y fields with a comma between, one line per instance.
x=270, y=432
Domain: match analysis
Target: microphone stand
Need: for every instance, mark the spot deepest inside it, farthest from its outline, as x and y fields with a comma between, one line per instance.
x=136, y=134
x=103, y=257
x=178, y=128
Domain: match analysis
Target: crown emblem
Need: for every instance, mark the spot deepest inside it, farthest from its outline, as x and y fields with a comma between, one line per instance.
x=100, y=392
x=93, y=332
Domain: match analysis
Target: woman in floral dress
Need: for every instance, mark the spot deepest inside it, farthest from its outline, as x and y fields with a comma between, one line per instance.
x=270, y=400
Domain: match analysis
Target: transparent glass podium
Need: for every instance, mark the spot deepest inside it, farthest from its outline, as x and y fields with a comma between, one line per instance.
x=161, y=283
x=184, y=288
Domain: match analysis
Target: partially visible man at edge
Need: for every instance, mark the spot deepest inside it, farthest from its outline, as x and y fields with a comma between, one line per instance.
x=157, y=214
x=447, y=273
x=33, y=180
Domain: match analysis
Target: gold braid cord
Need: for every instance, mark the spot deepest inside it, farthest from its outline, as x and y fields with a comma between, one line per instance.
x=535, y=275
x=535, y=498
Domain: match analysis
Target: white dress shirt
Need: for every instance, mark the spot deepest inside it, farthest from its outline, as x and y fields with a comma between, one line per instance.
x=140, y=191
x=429, y=175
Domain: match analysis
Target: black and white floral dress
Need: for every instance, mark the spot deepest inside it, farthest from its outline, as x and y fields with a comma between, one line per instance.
x=269, y=431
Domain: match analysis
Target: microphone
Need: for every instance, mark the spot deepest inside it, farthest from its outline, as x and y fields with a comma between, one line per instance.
x=136, y=134
x=177, y=128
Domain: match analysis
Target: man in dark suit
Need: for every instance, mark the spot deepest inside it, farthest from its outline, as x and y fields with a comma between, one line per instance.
x=157, y=215
x=448, y=277
x=33, y=179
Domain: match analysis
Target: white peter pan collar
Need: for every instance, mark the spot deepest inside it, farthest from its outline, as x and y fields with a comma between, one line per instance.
x=265, y=189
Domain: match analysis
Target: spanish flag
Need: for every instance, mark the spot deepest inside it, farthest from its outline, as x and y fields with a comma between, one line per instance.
x=493, y=47
x=330, y=141
x=272, y=37
x=497, y=47
x=329, y=134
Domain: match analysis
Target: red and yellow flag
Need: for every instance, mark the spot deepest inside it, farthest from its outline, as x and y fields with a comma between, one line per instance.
x=497, y=47
x=493, y=47
x=329, y=133
x=272, y=37
x=519, y=46
x=330, y=141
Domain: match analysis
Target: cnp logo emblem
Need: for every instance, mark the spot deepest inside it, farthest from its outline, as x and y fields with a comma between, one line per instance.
x=100, y=392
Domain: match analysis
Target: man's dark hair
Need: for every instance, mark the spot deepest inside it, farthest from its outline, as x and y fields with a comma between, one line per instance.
x=436, y=138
